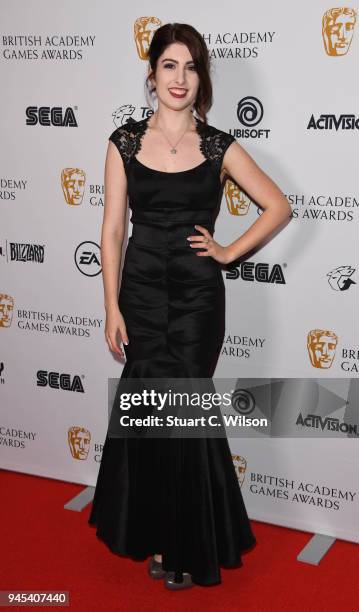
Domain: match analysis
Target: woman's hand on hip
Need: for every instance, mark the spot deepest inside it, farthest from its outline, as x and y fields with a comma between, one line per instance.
x=206, y=241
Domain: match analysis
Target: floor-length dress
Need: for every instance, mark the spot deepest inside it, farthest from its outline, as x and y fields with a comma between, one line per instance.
x=176, y=496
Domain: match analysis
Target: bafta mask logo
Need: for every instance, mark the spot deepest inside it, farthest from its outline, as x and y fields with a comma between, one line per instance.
x=79, y=440
x=123, y=114
x=73, y=185
x=339, y=279
x=240, y=465
x=144, y=29
x=337, y=30
x=6, y=309
x=321, y=344
x=237, y=203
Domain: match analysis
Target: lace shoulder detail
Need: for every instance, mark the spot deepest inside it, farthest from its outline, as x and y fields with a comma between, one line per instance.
x=213, y=142
x=127, y=139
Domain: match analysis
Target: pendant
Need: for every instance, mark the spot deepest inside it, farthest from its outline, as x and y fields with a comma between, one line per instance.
x=173, y=150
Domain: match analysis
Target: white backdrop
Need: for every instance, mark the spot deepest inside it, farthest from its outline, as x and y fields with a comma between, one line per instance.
x=287, y=90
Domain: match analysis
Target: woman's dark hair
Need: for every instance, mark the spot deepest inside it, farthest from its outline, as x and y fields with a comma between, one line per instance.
x=189, y=36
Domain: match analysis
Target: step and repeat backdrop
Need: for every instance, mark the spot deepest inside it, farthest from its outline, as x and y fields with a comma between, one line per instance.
x=285, y=86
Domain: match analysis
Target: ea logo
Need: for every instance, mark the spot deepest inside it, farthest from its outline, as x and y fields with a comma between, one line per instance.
x=250, y=111
x=88, y=258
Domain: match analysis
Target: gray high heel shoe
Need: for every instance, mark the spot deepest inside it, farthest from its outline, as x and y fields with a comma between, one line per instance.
x=155, y=569
x=178, y=580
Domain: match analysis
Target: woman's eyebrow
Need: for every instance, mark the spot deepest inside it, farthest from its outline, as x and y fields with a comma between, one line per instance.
x=168, y=59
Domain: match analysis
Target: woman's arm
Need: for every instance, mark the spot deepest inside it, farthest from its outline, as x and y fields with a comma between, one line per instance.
x=113, y=225
x=260, y=187
x=113, y=229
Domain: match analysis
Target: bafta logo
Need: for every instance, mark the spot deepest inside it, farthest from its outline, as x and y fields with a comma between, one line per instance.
x=237, y=202
x=79, y=440
x=337, y=30
x=240, y=465
x=321, y=344
x=6, y=309
x=144, y=29
x=73, y=185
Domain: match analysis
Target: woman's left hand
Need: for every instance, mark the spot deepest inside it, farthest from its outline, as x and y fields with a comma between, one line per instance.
x=215, y=250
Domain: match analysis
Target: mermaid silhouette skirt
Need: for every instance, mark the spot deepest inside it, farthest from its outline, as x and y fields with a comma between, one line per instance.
x=175, y=496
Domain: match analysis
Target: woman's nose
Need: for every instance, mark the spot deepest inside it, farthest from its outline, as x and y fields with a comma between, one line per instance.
x=180, y=76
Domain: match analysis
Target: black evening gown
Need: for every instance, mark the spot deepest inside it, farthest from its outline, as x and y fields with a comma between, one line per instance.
x=178, y=497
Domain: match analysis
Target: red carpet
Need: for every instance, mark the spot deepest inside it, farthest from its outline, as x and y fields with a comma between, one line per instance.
x=44, y=547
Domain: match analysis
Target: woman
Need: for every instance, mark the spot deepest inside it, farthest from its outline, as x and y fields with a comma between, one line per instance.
x=175, y=499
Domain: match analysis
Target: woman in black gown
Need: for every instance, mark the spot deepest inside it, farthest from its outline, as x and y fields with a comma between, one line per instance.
x=177, y=499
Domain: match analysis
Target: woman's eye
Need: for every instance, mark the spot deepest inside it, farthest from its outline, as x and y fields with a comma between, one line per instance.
x=172, y=65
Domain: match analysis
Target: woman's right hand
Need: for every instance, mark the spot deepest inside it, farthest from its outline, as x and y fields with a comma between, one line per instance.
x=115, y=323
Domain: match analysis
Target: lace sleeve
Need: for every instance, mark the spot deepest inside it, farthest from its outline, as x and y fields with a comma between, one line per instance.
x=127, y=139
x=214, y=143
x=226, y=140
x=121, y=138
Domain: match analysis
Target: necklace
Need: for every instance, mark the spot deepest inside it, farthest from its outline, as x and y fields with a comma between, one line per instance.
x=173, y=147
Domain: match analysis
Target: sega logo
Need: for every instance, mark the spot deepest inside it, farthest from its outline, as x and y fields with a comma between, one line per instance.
x=46, y=115
x=55, y=380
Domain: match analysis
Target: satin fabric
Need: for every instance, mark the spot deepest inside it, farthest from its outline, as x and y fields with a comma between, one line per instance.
x=178, y=496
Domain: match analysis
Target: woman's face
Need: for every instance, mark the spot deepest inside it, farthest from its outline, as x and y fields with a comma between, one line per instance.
x=176, y=78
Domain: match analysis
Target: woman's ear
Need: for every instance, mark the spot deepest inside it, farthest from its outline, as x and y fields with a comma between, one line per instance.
x=152, y=80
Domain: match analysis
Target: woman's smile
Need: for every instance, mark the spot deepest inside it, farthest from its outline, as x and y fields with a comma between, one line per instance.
x=178, y=92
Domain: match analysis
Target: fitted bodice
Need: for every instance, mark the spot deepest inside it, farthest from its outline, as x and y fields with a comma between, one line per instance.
x=188, y=196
